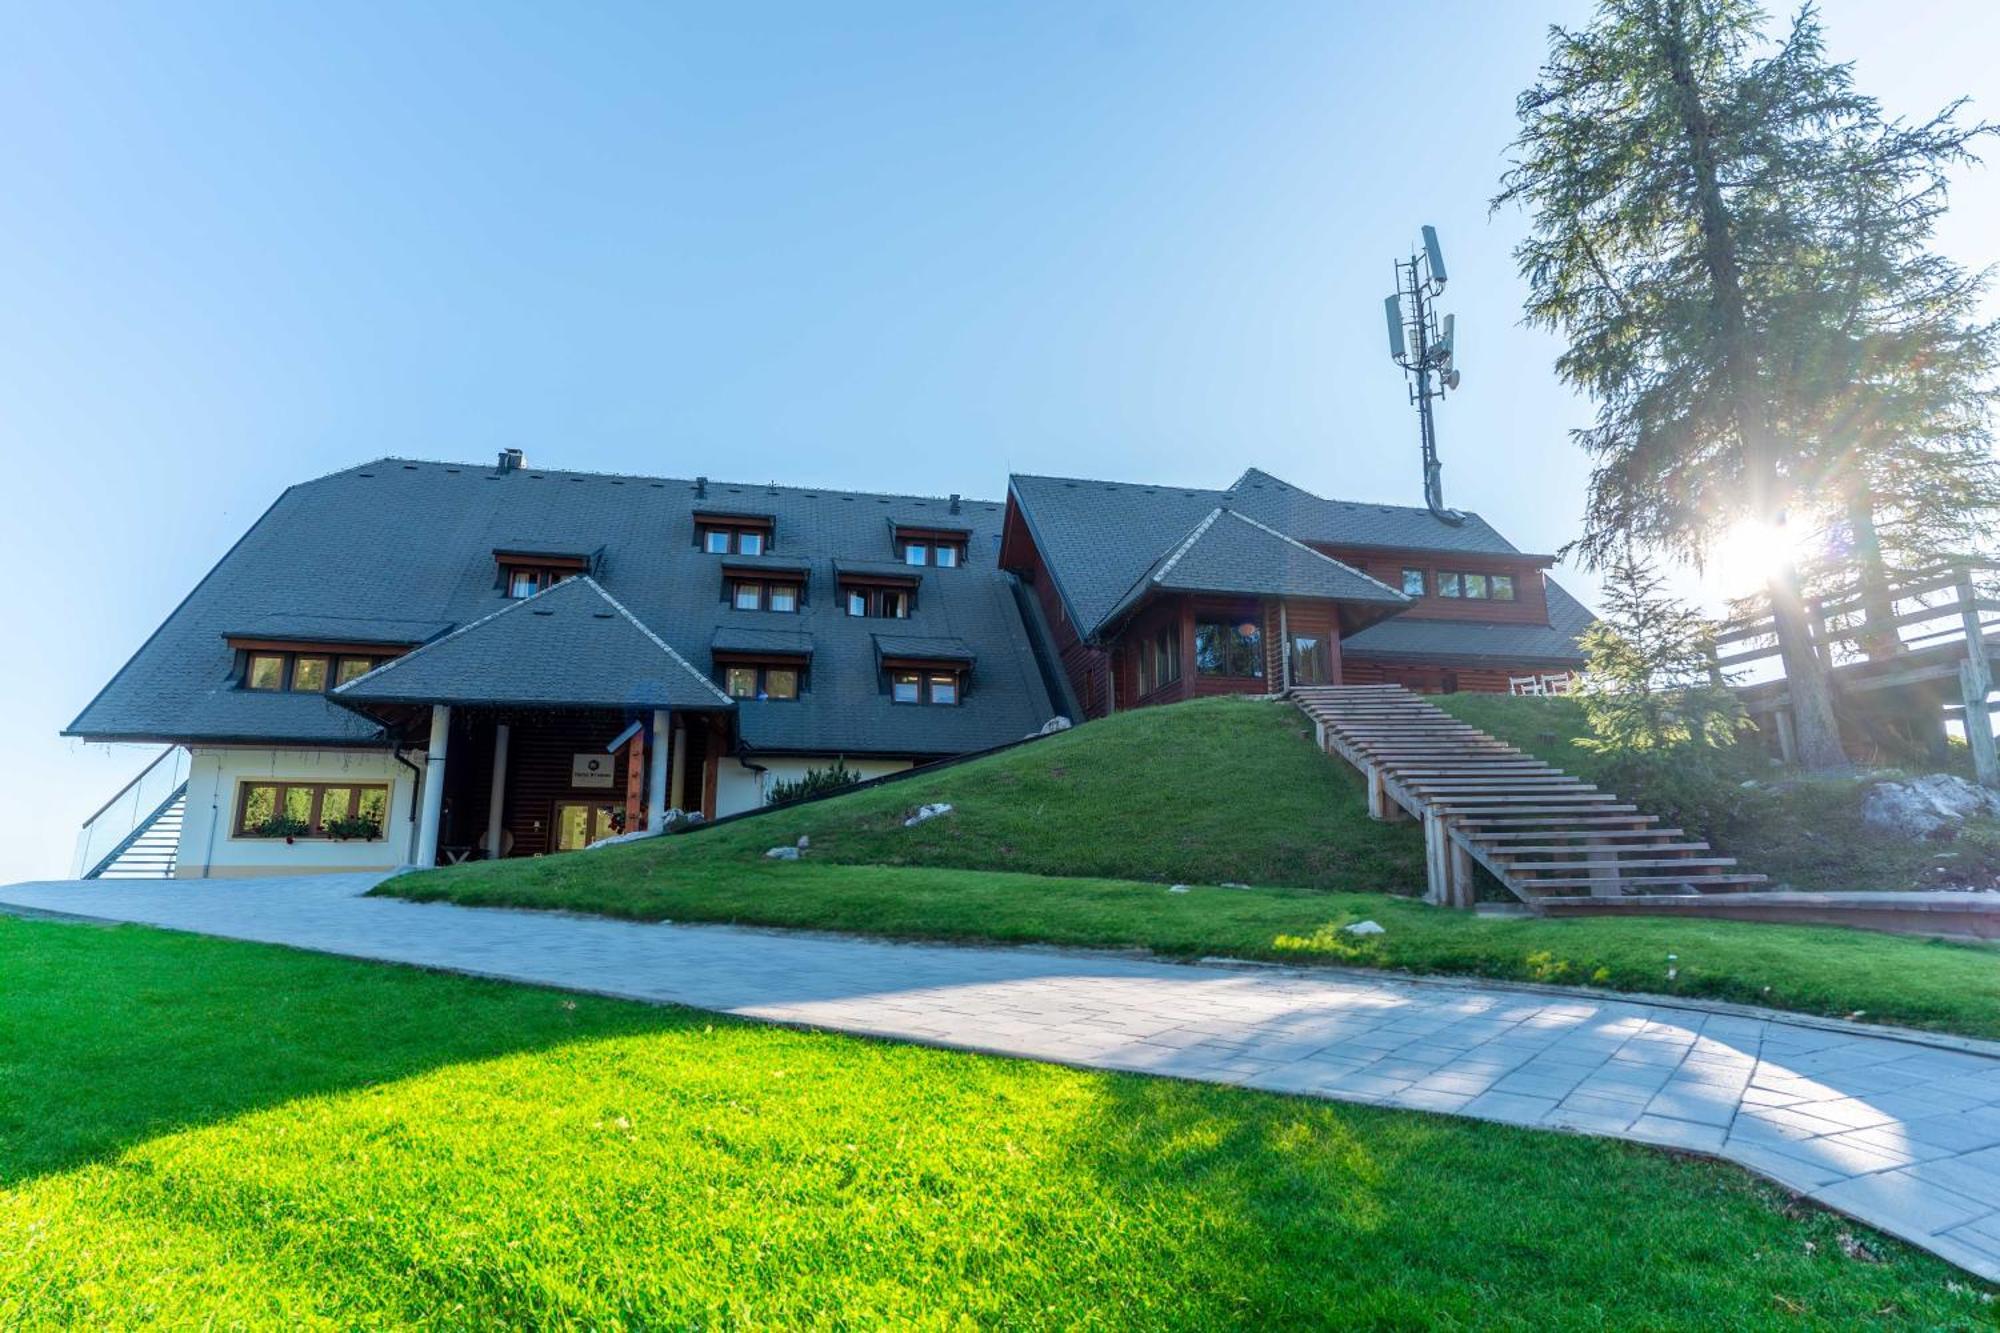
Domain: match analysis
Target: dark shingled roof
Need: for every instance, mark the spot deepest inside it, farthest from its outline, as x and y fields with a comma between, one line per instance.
x=570, y=645
x=1102, y=541
x=1230, y=553
x=430, y=530
x=742, y=639
x=1455, y=641
x=919, y=649
x=282, y=625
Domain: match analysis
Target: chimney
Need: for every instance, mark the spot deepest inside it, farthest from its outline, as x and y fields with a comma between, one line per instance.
x=954, y=502
x=512, y=460
x=701, y=488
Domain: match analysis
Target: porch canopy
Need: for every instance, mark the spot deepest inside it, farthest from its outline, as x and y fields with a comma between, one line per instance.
x=571, y=648
x=1228, y=553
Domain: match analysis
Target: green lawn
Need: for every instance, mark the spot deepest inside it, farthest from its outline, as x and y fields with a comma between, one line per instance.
x=1812, y=969
x=201, y=1133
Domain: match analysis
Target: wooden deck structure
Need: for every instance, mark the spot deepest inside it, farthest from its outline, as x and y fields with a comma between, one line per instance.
x=1908, y=659
x=1549, y=838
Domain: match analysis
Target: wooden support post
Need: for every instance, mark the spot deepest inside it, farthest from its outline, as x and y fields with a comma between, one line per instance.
x=635, y=777
x=1788, y=740
x=1975, y=680
x=677, y=784
x=1464, y=885
x=1378, y=794
x=496, y=800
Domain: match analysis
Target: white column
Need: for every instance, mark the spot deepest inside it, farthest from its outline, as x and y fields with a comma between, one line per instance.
x=679, y=779
x=497, y=799
x=656, y=783
x=427, y=824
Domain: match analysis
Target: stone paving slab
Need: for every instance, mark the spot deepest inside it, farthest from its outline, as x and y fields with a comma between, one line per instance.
x=1899, y=1133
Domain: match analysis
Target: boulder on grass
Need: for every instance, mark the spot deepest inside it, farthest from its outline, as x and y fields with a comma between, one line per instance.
x=1933, y=806
x=782, y=854
x=925, y=812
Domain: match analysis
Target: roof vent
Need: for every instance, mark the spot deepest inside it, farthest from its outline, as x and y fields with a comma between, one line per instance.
x=512, y=460
x=701, y=488
x=954, y=502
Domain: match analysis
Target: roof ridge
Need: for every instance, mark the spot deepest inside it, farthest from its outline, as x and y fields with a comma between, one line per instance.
x=647, y=630
x=1159, y=571
x=760, y=487
x=1359, y=573
x=445, y=638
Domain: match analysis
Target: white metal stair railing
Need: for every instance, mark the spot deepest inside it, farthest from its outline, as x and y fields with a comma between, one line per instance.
x=136, y=834
x=1547, y=836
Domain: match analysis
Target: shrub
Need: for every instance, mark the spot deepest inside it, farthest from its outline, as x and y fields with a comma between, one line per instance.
x=817, y=782
x=1651, y=683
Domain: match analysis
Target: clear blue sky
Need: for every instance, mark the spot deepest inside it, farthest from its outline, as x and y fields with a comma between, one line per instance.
x=903, y=247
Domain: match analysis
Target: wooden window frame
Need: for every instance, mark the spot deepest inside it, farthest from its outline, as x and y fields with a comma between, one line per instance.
x=284, y=661
x=733, y=531
x=926, y=673
x=1456, y=585
x=736, y=583
x=288, y=667
x=932, y=540
x=763, y=670
x=1422, y=579
x=876, y=596
x=315, y=815
x=1252, y=645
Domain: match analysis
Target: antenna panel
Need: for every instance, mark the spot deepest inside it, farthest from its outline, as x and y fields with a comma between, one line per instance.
x=1434, y=255
x=1392, y=306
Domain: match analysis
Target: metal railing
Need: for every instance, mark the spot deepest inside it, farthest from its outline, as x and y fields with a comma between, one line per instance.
x=137, y=804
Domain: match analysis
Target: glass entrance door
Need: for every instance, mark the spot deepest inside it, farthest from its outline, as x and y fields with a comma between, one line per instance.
x=580, y=823
x=1312, y=660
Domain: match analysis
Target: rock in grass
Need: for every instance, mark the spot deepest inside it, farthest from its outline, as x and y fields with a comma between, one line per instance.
x=1365, y=928
x=927, y=812
x=1935, y=805
x=1177, y=888
x=783, y=854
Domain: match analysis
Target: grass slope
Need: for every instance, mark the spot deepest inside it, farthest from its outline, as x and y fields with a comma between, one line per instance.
x=1206, y=792
x=204, y=1133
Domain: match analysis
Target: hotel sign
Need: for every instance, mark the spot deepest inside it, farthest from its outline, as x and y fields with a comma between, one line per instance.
x=590, y=770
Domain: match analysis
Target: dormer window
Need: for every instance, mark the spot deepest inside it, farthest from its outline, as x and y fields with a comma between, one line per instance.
x=746, y=594
x=1413, y=583
x=940, y=547
x=762, y=680
x=307, y=671
x=1476, y=587
x=934, y=686
x=879, y=603
x=523, y=572
x=734, y=534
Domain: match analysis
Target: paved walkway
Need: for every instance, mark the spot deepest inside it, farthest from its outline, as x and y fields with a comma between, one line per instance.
x=1904, y=1135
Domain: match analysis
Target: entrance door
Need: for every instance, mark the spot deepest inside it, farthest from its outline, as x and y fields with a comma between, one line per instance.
x=580, y=823
x=1312, y=660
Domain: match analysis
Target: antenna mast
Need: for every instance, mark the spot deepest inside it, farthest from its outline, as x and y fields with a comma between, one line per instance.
x=1422, y=346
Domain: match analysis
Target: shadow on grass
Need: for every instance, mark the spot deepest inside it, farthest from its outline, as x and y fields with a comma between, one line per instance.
x=111, y=1036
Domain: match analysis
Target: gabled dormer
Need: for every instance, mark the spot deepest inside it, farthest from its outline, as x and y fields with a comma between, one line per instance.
x=523, y=569
x=723, y=532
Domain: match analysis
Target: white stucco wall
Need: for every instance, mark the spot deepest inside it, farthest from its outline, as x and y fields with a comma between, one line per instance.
x=208, y=850
x=738, y=788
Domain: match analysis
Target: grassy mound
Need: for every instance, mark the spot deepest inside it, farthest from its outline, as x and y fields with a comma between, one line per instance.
x=1208, y=792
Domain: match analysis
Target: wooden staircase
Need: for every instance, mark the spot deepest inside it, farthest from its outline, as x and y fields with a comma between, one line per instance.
x=1551, y=839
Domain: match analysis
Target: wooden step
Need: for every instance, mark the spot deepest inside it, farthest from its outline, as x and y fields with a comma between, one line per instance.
x=1587, y=849
x=1614, y=864
x=1618, y=835
x=1707, y=883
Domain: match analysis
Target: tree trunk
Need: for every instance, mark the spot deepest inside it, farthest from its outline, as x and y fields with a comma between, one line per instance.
x=1806, y=676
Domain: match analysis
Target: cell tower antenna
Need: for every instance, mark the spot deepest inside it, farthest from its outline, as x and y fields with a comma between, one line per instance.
x=1422, y=345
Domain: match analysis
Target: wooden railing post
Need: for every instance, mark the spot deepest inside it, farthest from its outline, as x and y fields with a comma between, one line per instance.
x=1975, y=679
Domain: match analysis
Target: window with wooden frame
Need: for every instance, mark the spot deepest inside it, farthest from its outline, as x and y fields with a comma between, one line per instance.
x=943, y=548
x=733, y=534
x=345, y=811
x=1229, y=649
x=1476, y=587
x=304, y=672
x=748, y=594
x=1413, y=583
x=780, y=681
x=879, y=601
x=1159, y=659
x=525, y=573
x=929, y=685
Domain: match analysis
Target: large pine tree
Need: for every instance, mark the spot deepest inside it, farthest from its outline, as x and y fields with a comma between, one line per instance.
x=1699, y=199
